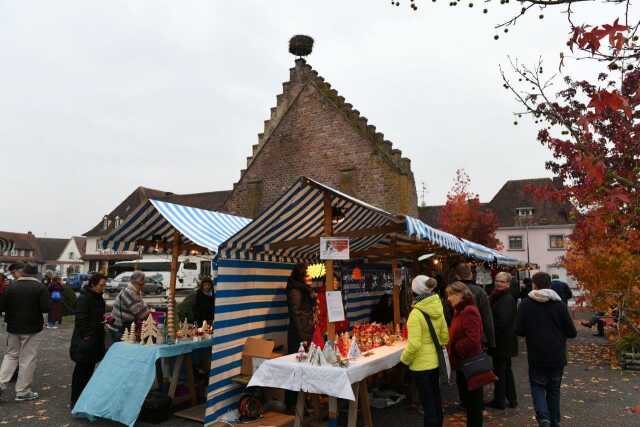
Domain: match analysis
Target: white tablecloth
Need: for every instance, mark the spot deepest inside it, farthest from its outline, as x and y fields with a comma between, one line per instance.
x=287, y=373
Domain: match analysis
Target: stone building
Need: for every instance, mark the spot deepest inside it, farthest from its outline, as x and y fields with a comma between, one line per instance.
x=314, y=132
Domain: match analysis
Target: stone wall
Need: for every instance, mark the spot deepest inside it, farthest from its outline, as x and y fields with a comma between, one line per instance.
x=313, y=133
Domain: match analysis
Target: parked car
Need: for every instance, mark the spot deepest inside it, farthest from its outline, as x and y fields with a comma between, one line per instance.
x=77, y=280
x=152, y=284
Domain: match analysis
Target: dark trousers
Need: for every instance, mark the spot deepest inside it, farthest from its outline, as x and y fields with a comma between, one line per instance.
x=81, y=376
x=428, y=385
x=505, y=388
x=472, y=400
x=545, y=392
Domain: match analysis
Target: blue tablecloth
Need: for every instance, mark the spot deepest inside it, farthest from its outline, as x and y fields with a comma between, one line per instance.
x=121, y=382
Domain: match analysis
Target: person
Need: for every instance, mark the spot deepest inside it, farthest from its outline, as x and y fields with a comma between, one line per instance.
x=205, y=302
x=87, y=342
x=55, y=289
x=300, y=303
x=420, y=354
x=23, y=303
x=515, y=284
x=527, y=286
x=598, y=319
x=465, y=341
x=504, y=308
x=129, y=307
x=562, y=289
x=465, y=275
x=3, y=283
x=15, y=271
x=545, y=323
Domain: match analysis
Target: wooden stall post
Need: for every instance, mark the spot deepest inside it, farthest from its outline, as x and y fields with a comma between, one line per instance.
x=175, y=253
x=328, y=264
x=396, y=284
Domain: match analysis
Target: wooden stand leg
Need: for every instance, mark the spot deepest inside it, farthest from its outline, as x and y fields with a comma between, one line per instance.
x=175, y=377
x=352, y=421
x=299, y=409
x=190, y=381
x=364, y=404
x=333, y=412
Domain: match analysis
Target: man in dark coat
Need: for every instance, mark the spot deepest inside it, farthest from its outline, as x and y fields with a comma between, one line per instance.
x=504, y=308
x=23, y=303
x=87, y=342
x=465, y=275
x=546, y=324
x=300, y=301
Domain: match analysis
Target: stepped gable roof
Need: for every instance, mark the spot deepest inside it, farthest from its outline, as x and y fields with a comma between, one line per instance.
x=81, y=243
x=514, y=194
x=302, y=75
x=212, y=200
x=135, y=199
x=51, y=248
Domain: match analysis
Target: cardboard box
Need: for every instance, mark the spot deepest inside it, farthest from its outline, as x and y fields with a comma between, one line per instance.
x=255, y=352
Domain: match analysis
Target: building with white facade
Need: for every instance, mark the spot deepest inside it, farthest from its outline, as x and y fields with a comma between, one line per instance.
x=532, y=230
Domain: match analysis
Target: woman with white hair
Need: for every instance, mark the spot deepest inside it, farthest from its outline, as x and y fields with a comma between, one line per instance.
x=128, y=306
x=421, y=354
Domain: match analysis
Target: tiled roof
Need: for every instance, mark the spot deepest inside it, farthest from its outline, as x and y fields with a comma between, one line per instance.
x=430, y=214
x=135, y=199
x=515, y=194
x=302, y=75
x=51, y=248
x=212, y=201
x=81, y=243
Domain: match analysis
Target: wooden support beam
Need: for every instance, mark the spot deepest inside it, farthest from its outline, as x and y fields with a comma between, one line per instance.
x=171, y=303
x=169, y=245
x=352, y=234
x=396, y=285
x=328, y=264
x=404, y=249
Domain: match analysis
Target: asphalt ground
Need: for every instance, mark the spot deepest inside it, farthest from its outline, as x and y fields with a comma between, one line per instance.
x=593, y=393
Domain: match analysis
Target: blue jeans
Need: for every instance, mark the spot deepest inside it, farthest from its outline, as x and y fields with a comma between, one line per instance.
x=545, y=392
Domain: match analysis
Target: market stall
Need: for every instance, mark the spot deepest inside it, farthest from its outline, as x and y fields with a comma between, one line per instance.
x=255, y=263
x=129, y=368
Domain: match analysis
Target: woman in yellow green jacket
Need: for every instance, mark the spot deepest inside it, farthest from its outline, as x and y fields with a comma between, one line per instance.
x=420, y=354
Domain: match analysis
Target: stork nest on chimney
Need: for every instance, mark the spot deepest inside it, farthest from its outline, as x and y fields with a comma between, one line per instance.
x=300, y=45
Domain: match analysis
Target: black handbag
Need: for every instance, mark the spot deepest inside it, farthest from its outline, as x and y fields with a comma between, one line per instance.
x=476, y=365
x=443, y=357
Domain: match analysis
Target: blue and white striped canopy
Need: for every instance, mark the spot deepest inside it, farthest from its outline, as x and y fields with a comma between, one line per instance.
x=299, y=214
x=506, y=260
x=156, y=218
x=423, y=231
x=478, y=251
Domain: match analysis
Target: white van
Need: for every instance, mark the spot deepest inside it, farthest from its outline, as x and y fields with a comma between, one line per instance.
x=190, y=269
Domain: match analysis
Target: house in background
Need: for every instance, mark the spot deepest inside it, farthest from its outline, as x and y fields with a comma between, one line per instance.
x=16, y=247
x=96, y=258
x=70, y=258
x=532, y=230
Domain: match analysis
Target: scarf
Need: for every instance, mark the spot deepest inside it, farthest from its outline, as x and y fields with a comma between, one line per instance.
x=497, y=293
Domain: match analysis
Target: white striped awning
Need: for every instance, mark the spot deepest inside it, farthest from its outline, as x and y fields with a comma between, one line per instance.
x=299, y=214
x=478, y=251
x=156, y=219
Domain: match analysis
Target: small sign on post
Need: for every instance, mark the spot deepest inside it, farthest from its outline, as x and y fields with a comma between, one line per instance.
x=334, y=248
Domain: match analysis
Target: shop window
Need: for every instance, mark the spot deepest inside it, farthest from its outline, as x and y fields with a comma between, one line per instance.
x=515, y=243
x=557, y=241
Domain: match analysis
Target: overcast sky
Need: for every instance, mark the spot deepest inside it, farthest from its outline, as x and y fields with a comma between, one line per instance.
x=99, y=97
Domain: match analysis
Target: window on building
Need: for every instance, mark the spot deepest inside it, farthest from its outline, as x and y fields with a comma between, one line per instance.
x=72, y=255
x=525, y=211
x=515, y=243
x=556, y=241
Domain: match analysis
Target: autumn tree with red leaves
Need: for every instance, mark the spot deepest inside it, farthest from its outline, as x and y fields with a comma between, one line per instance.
x=465, y=217
x=592, y=128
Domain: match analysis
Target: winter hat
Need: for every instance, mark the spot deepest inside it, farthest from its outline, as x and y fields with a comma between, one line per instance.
x=422, y=285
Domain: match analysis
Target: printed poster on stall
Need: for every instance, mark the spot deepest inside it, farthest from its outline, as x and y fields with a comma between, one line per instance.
x=336, y=248
x=335, y=309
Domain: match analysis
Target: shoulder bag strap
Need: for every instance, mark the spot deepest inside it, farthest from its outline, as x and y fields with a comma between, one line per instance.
x=432, y=331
